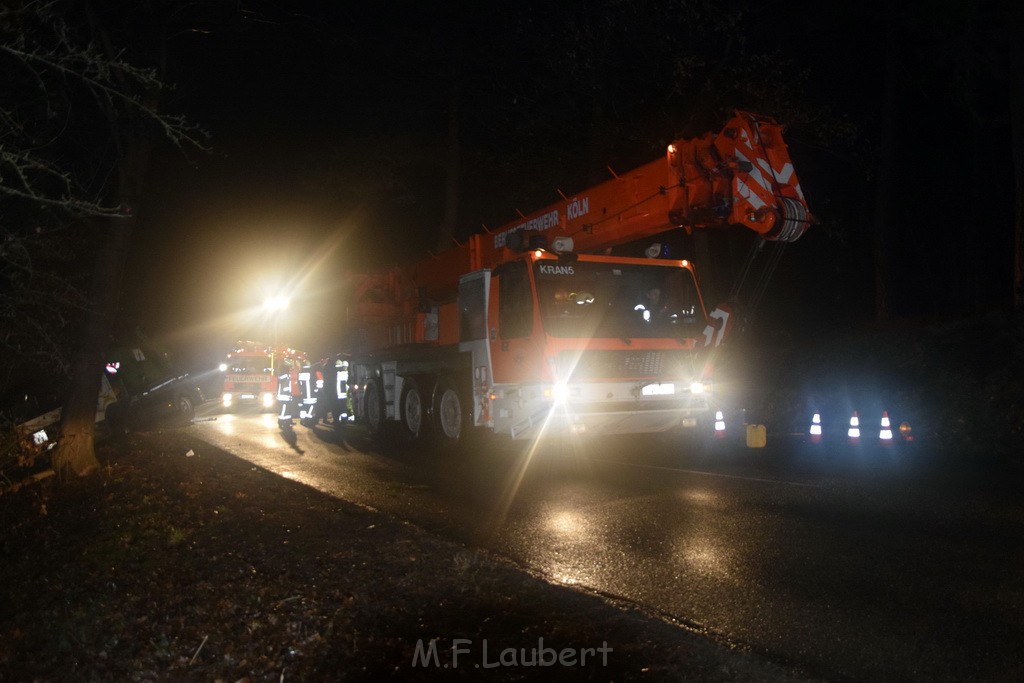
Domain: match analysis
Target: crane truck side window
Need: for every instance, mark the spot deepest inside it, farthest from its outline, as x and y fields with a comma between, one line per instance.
x=515, y=301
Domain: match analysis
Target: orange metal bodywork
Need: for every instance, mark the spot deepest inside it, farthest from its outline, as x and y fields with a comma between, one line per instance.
x=257, y=382
x=740, y=176
x=523, y=359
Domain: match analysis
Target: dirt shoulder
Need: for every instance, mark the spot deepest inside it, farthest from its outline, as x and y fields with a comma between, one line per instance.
x=203, y=567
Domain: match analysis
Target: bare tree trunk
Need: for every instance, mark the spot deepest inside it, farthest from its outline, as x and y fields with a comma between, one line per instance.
x=75, y=454
x=1017, y=142
x=446, y=231
x=883, y=220
x=453, y=162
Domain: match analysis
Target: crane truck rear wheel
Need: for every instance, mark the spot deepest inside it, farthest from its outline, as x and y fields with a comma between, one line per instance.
x=413, y=410
x=450, y=414
x=373, y=408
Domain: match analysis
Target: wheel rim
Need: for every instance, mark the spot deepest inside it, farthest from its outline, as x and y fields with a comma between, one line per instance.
x=184, y=406
x=413, y=412
x=450, y=414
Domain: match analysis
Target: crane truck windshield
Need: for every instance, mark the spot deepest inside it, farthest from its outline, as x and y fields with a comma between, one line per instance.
x=615, y=300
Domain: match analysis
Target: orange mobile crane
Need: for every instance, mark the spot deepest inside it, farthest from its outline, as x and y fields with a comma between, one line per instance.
x=535, y=327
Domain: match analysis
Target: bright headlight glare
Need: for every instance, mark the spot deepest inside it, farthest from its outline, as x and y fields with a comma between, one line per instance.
x=227, y=399
x=696, y=387
x=560, y=391
x=268, y=399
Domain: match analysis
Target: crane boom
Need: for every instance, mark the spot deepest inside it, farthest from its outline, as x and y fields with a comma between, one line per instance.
x=741, y=176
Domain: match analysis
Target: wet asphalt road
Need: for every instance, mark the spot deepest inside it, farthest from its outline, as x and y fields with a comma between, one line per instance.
x=850, y=563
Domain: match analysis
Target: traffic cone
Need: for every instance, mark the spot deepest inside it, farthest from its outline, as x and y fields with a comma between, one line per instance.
x=853, y=433
x=719, y=425
x=815, y=431
x=885, y=432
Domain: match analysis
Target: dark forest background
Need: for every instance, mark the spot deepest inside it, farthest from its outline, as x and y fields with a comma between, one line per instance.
x=344, y=135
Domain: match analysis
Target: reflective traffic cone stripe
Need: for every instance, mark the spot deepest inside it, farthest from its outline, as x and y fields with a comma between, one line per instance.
x=853, y=433
x=885, y=433
x=719, y=424
x=815, y=431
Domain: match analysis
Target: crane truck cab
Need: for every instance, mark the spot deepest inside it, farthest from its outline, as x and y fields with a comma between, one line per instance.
x=585, y=344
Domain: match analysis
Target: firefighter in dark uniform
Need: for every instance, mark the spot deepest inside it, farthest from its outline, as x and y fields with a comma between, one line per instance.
x=323, y=391
x=311, y=380
x=333, y=399
x=287, y=392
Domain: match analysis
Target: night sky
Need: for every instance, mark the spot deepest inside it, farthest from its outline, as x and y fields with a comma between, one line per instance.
x=329, y=126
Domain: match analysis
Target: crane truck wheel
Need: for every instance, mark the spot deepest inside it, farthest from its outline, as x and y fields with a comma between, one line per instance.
x=373, y=408
x=450, y=413
x=413, y=410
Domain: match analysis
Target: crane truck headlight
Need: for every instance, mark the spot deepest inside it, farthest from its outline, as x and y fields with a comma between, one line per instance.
x=267, y=399
x=559, y=392
x=227, y=400
x=696, y=387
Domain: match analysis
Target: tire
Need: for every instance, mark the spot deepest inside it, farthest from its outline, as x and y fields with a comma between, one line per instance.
x=451, y=414
x=414, y=413
x=373, y=408
x=185, y=407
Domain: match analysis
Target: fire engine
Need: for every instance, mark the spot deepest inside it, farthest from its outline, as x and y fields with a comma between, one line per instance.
x=249, y=376
x=536, y=327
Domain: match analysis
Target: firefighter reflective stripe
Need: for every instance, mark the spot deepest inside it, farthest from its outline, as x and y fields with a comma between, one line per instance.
x=284, y=388
x=286, y=409
x=307, y=388
x=341, y=384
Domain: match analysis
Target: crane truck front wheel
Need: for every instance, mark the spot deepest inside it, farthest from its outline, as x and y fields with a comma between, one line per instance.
x=449, y=413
